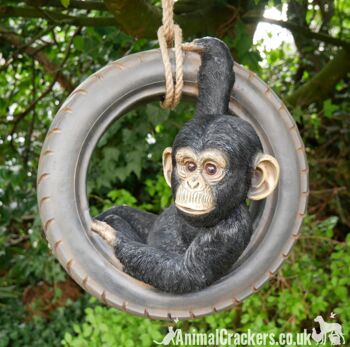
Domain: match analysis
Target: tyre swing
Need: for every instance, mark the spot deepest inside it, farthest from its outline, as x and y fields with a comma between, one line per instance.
x=105, y=97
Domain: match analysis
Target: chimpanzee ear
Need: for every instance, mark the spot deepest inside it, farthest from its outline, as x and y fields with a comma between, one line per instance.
x=265, y=177
x=167, y=165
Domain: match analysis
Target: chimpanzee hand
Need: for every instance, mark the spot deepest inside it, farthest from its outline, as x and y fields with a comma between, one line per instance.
x=105, y=231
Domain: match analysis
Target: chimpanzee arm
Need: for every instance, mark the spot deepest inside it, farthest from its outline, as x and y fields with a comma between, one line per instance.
x=130, y=221
x=210, y=255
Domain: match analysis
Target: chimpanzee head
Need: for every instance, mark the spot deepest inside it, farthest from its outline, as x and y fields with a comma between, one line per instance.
x=215, y=164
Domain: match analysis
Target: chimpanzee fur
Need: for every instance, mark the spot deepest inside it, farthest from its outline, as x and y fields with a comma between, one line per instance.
x=177, y=252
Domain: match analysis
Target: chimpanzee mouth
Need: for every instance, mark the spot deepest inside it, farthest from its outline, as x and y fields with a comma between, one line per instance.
x=193, y=212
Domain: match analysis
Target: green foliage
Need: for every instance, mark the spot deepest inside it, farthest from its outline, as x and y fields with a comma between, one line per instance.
x=306, y=286
x=65, y=3
x=159, y=192
x=108, y=327
x=243, y=50
x=329, y=108
x=30, y=264
x=121, y=197
x=18, y=331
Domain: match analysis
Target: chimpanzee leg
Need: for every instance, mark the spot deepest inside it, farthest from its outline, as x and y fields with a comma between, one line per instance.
x=133, y=223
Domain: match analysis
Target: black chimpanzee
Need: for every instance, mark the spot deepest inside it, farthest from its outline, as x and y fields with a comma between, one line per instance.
x=216, y=163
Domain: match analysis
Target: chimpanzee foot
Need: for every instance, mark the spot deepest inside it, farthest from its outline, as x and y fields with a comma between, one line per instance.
x=105, y=231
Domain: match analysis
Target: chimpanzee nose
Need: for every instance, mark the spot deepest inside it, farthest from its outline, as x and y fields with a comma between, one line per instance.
x=193, y=184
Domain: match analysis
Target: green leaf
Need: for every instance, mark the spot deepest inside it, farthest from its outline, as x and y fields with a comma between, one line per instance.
x=329, y=108
x=65, y=3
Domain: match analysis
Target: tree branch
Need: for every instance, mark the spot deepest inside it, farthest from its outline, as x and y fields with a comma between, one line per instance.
x=28, y=137
x=306, y=32
x=51, y=68
x=322, y=85
x=26, y=44
x=140, y=18
x=80, y=5
x=53, y=16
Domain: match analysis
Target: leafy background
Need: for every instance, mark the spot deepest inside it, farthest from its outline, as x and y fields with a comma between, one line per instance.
x=48, y=47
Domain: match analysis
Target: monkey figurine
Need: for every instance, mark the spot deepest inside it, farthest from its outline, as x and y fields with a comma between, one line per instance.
x=215, y=164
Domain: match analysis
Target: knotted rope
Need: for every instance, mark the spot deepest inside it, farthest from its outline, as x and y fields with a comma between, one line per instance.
x=170, y=34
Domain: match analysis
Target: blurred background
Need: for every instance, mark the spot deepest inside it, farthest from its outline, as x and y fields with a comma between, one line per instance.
x=301, y=48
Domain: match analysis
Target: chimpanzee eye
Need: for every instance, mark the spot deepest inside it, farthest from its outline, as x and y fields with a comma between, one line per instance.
x=210, y=169
x=191, y=166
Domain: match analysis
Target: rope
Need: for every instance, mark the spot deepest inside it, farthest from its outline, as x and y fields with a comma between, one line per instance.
x=168, y=21
x=171, y=34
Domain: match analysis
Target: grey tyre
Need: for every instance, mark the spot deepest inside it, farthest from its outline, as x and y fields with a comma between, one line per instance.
x=84, y=117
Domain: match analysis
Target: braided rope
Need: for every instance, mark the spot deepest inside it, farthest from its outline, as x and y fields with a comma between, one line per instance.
x=169, y=84
x=168, y=20
x=171, y=34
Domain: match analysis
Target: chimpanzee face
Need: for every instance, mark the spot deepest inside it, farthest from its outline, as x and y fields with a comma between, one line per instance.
x=198, y=175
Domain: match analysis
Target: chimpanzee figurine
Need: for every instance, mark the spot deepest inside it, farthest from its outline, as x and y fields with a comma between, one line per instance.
x=215, y=164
